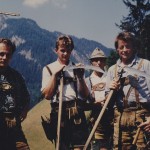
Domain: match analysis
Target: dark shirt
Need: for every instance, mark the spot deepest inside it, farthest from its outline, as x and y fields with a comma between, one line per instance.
x=14, y=95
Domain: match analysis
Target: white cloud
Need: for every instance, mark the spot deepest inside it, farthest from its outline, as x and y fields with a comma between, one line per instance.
x=34, y=3
x=60, y=3
x=37, y=3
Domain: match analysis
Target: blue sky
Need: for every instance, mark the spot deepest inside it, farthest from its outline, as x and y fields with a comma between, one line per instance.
x=90, y=19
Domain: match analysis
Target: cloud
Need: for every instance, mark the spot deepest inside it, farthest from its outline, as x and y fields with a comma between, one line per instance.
x=60, y=3
x=34, y=3
x=37, y=3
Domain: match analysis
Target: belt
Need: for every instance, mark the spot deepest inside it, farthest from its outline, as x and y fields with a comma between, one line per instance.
x=66, y=104
x=6, y=114
x=135, y=106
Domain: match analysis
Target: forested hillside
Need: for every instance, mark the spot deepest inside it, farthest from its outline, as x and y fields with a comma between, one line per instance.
x=35, y=48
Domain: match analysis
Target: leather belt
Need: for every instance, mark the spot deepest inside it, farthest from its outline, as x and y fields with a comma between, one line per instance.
x=136, y=106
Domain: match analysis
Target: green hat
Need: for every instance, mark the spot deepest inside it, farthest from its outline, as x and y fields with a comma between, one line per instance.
x=97, y=53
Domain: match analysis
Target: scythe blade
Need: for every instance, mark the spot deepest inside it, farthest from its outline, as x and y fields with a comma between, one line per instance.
x=86, y=67
x=133, y=71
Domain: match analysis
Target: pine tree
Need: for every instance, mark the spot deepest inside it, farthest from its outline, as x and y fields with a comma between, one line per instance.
x=138, y=22
x=112, y=58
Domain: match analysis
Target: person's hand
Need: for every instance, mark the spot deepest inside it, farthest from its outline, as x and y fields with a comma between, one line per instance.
x=145, y=125
x=79, y=72
x=115, y=84
x=58, y=68
x=133, y=81
x=23, y=115
x=100, y=102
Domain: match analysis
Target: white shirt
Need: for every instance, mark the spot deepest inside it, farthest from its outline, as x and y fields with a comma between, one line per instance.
x=99, y=95
x=143, y=86
x=68, y=89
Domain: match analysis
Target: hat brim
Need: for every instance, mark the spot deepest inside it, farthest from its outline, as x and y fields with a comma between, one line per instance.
x=98, y=57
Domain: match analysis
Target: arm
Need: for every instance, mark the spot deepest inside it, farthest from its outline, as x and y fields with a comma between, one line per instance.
x=112, y=83
x=83, y=89
x=49, y=81
x=24, y=112
x=146, y=125
x=48, y=91
x=24, y=99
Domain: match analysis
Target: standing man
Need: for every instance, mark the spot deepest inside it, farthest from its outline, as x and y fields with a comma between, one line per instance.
x=73, y=125
x=14, y=101
x=131, y=95
x=96, y=83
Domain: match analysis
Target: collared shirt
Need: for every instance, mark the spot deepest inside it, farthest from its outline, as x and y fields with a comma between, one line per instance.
x=142, y=84
x=93, y=80
x=69, y=91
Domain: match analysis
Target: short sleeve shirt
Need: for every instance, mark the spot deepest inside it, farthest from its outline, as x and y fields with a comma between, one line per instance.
x=69, y=92
x=99, y=94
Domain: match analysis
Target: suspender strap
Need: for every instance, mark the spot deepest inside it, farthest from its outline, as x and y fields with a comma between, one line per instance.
x=58, y=80
x=49, y=70
x=75, y=84
x=140, y=64
x=131, y=88
x=136, y=91
x=92, y=91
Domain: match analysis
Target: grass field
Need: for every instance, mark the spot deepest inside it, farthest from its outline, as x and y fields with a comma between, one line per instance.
x=33, y=129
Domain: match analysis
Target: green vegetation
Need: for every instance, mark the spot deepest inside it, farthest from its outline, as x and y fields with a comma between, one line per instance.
x=138, y=22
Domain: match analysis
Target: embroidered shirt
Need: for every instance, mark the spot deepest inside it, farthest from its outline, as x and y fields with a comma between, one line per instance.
x=99, y=84
x=14, y=95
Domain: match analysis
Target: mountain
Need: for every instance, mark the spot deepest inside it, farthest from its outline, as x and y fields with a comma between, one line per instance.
x=35, y=49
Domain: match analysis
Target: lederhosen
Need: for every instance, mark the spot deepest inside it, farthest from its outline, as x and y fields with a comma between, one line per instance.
x=104, y=129
x=11, y=135
x=74, y=130
x=126, y=118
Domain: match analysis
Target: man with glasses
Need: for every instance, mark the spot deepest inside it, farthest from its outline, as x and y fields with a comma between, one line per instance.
x=14, y=101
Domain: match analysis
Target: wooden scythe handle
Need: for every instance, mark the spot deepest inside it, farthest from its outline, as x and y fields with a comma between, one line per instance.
x=59, y=114
x=136, y=136
x=98, y=119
